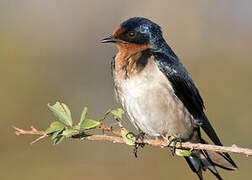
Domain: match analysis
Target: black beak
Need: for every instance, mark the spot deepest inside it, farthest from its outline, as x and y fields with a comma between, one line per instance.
x=110, y=39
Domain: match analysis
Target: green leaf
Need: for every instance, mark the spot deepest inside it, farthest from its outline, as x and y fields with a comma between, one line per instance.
x=83, y=117
x=180, y=152
x=118, y=112
x=69, y=132
x=107, y=112
x=89, y=124
x=55, y=126
x=170, y=138
x=55, y=134
x=58, y=139
x=183, y=152
x=62, y=112
x=129, y=139
x=83, y=134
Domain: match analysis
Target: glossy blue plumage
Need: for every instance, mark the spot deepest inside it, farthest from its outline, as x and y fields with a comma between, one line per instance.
x=162, y=97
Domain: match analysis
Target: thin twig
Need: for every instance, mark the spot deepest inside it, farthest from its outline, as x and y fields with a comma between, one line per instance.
x=33, y=131
x=116, y=138
x=109, y=129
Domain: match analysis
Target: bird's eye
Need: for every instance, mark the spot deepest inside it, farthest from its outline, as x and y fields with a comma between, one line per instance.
x=131, y=34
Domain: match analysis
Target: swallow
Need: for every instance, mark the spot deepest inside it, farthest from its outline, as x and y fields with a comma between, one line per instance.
x=158, y=93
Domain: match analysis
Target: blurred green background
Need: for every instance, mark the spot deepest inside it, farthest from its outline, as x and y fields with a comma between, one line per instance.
x=50, y=50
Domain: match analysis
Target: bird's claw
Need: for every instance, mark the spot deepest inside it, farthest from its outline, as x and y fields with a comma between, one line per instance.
x=174, y=140
x=137, y=137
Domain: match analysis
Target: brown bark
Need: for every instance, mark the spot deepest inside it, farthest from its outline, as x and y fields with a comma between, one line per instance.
x=115, y=137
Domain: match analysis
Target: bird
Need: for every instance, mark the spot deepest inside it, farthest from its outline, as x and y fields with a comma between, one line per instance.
x=158, y=94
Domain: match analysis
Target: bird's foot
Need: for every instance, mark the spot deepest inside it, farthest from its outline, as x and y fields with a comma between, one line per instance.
x=137, y=144
x=174, y=140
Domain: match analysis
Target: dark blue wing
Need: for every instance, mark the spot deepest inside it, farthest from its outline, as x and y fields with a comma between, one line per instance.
x=187, y=92
x=182, y=84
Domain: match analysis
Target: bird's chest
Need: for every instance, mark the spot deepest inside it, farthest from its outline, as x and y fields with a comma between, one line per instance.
x=137, y=87
x=150, y=102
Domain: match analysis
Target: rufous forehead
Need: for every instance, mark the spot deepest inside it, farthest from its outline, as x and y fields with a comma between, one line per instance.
x=119, y=30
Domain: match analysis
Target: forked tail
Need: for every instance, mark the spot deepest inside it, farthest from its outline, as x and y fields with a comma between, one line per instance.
x=203, y=160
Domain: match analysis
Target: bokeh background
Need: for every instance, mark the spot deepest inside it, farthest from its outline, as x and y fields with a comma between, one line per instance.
x=50, y=50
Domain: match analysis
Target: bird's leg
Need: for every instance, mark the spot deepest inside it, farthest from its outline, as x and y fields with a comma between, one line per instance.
x=174, y=140
x=137, y=137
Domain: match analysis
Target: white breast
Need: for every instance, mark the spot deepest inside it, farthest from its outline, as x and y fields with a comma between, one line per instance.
x=151, y=104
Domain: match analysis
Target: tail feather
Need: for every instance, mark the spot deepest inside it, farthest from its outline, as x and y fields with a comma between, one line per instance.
x=207, y=127
x=203, y=160
x=197, y=164
x=222, y=160
x=207, y=164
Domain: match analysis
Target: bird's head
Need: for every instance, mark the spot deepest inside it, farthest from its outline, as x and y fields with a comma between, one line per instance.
x=136, y=32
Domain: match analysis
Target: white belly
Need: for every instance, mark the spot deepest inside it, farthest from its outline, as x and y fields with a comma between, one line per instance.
x=152, y=105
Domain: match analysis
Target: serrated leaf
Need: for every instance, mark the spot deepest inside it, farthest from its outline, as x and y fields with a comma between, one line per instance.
x=62, y=112
x=69, y=132
x=118, y=112
x=182, y=152
x=129, y=139
x=83, y=117
x=58, y=139
x=89, y=124
x=55, y=126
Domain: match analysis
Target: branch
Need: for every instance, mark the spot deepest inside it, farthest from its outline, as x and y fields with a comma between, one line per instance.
x=115, y=137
